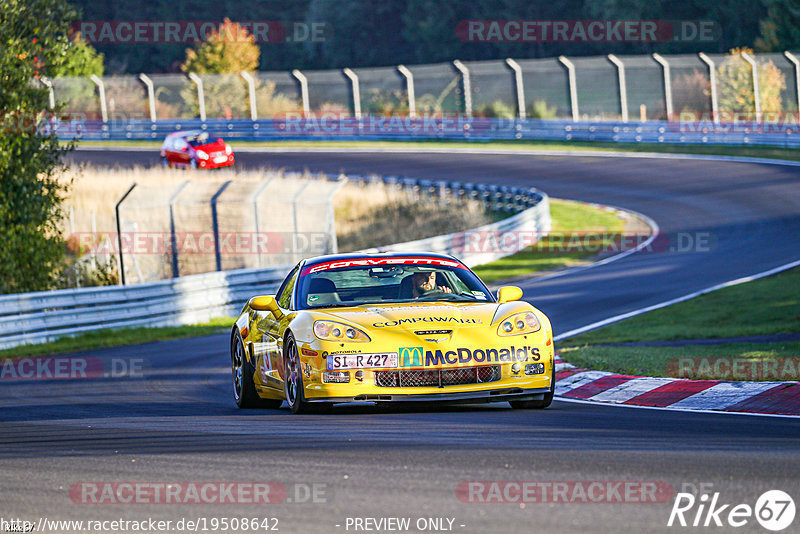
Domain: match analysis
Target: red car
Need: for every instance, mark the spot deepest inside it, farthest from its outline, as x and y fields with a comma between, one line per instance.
x=195, y=149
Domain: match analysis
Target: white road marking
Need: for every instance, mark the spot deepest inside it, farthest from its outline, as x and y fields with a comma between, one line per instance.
x=630, y=389
x=723, y=395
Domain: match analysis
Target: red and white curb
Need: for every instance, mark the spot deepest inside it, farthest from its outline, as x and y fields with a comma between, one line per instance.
x=778, y=398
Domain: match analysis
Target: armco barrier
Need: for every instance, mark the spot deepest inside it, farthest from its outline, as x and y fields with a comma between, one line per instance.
x=444, y=128
x=43, y=316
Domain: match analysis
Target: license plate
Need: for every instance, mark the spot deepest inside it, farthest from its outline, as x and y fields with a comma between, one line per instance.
x=220, y=159
x=361, y=361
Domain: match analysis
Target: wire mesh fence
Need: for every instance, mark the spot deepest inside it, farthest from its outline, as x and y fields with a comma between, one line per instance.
x=600, y=88
x=192, y=227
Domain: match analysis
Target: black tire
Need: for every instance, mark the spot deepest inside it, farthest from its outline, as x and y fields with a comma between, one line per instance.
x=538, y=404
x=193, y=164
x=165, y=163
x=244, y=390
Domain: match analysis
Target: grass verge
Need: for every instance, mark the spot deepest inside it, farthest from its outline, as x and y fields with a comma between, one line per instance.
x=101, y=339
x=754, y=151
x=734, y=361
x=578, y=231
x=762, y=307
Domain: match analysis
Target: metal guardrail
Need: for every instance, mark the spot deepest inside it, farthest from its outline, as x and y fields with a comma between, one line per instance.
x=446, y=128
x=44, y=316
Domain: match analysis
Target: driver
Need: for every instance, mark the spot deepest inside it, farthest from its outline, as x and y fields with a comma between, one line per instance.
x=424, y=283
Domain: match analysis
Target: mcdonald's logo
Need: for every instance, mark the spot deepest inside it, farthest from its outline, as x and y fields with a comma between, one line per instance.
x=411, y=357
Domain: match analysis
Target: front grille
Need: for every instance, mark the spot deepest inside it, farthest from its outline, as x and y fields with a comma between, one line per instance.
x=418, y=378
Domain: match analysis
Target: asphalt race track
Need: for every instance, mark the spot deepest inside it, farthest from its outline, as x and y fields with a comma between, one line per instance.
x=176, y=421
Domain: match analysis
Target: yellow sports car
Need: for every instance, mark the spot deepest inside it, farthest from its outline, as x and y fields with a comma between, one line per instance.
x=390, y=328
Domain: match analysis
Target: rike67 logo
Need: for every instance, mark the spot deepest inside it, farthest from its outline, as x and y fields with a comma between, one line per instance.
x=774, y=510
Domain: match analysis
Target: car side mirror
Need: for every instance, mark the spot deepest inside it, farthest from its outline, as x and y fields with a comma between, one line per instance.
x=508, y=294
x=266, y=303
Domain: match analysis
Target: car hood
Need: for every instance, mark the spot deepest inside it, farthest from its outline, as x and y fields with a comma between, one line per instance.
x=418, y=316
x=211, y=147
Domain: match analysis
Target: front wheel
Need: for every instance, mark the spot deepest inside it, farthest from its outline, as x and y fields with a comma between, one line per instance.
x=538, y=404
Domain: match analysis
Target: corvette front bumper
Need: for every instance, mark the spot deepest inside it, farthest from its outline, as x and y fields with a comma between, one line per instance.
x=501, y=394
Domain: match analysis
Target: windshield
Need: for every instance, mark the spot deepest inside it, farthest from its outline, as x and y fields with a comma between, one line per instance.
x=201, y=139
x=416, y=279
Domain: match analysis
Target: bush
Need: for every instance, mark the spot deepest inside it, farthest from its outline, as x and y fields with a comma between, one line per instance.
x=691, y=92
x=735, y=84
x=540, y=110
x=496, y=110
x=385, y=102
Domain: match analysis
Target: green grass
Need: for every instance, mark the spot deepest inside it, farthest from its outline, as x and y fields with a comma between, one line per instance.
x=101, y=339
x=666, y=361
x=756, y=151
x=767, y=306
x=770, y=305
x=558, y=250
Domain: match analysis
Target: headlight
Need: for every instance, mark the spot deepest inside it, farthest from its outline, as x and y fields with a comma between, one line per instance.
x=228, y=149
x=519, y=323
x=333, y=331
x=202, y=155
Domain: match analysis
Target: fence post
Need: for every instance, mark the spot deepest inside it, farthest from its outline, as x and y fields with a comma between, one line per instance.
x=712, y=79
x=51, y=94
x=256, y=220
x=101, y=89
x=791, y=57
x=412, y=101
x=151, y=95
x=573, y=87
x=756, y=89
x=251, y=87
x=330, y=224
x=467, y=86
x=303, y=91
x=667, y=84
x=201, y=98
x=119, y=232
x=356, y=91
x=295, y=224
x=215, y=224
x=623, y=88
x=518, y=85
x=173, y=239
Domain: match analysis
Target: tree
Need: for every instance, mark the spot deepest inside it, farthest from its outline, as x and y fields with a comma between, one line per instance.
x=735, y=84
x=781, y=29
x=226, y=52
x=35, y=43
x=231, y=48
